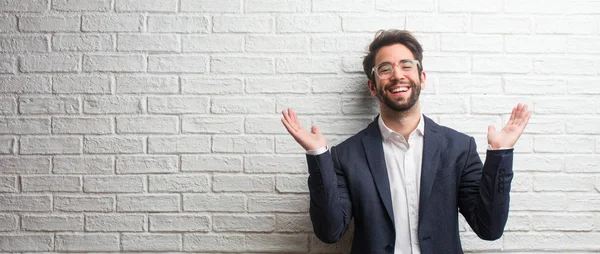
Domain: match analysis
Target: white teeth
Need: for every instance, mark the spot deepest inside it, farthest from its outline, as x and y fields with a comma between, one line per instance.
x=400, y=89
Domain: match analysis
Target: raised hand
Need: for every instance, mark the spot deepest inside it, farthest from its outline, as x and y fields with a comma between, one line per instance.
x=508, y=136
x=310, y=141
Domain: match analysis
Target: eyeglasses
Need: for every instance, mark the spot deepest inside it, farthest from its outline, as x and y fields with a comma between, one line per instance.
x=386, y=70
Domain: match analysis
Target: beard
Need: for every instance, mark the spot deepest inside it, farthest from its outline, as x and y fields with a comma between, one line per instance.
x=401, y=104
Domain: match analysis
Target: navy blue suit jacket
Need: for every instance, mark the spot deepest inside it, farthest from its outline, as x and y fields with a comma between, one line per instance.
x=351, y=181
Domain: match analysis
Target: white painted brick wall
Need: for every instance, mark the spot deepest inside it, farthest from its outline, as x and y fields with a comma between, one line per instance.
x=153, y=126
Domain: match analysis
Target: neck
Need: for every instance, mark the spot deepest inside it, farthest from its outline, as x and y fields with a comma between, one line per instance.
x=403, y=122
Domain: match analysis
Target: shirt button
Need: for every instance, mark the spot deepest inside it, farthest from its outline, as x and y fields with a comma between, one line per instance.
x=389, y=248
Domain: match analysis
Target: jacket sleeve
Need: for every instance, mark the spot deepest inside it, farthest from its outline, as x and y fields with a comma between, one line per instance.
x=330, y=206
x=483, y=192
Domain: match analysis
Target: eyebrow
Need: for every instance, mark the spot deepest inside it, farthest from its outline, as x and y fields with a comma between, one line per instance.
x=401, y=61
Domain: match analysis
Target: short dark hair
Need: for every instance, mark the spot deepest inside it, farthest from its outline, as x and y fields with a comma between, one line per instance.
x=389, y=37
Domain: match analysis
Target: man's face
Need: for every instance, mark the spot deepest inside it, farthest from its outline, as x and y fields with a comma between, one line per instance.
x=401, y=91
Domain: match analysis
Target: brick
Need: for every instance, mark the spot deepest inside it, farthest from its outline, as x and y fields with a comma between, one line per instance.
x=8, y=24
x=148, y=42
x=266, y=125
x=243, y=223
x=292, y=184
x=48, y=105
x=7, y=145
x=115, y=223
x=341, y=125
x=538, y=202
x=177, y=64
x=470, y=6
x=538, y=162
x=583, y=125
x=437, y=23
x=213, y=242
x=9, y=222
x=471, y=43
x=563, y=183
x=518, y=222
x=77, y=42
x=276, y=43
x=582, y=163
x=49, y=23
x=551, y=241
x=242, y=144
x=494, y=24
x=148, y=124
x=179, y=144
x=50, y=183
x=340, y=85
x=293, y=223
x=71, y=84
x=502, y=104
x=148, y=203
x=448, y=63
x=114, y=144
x=395, y=6
x=338, y=43
x=143, y=164
x=502, y=64
x=114, y=63
x=473, y=243
x=568, y=105
x=151, y=242
x=25, y=203
x=81, y=5
x=277, y=85
x=112, y=104
x=50, y=145
x=308, y=24
x=86, y=242
x=274, y=164
x=372, y=24
x=25, y=84
x=518, y=85
x=555, y=65
x=242, y=183
x=212, y=124
x=545, y=124
x=214, y=203
x=8, y=184
x=26, y=242
x=112, y=23
x=146, y=6
x=574, y=144
x=242, y=65
x=352, y=65
x=179, y=223
x=147, y=84
x=28, y=6
x=277, y=243
x=278, y=203
x=242, y=105
x=52, y=222
x=79, y=203
x=178, y=183
x=277, y=6
x=306, y=105
x=444, y=105
x=211, y=163
x=220, y=6
x=178, y=104
x=177, y=24
x=8, y=64
x=242, y=24
x=470, y=84
x=566, y=25
x=82, y=125
x=535, y=44
x=471, y=124
x=114, y=184
x=49, y=63
x=557, y=222
x=360, y=106
x=582, y=45
x=8, y=105
x=211, y=43
x=293, y=65
x=583, y=202
x=343, y=6
x=23, y=43
x=98, y=165
x=522, y=183
x=202, y=85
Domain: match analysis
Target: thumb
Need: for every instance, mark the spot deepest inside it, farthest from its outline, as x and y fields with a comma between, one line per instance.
x=491, y=129
x=316, y=130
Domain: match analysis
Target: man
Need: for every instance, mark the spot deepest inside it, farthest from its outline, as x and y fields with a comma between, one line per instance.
x=405, y=178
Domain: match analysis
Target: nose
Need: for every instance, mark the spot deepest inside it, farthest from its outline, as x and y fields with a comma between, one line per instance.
x=398, y=73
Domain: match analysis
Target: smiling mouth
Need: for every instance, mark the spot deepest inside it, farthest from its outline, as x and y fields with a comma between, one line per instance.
x=399, y=89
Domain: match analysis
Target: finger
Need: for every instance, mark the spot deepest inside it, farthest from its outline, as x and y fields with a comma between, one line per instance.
x=287, y=126
x=316, y=130
x=526, y=120
x=294, y=117
x=289, y=121
x=512, y=116
x=491, y=129
x=522, y=115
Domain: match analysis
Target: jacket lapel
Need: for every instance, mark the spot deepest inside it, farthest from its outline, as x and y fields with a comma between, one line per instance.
x=372, y=144
x=431, y=156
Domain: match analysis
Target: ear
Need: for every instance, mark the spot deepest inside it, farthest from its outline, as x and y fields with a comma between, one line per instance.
x=372, y=88
x=423, y=79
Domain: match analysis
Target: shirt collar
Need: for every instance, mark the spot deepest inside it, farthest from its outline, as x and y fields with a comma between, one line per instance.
x=386, y=132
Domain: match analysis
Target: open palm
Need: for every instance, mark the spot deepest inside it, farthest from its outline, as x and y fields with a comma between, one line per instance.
x=309, y=141
x=508, y=136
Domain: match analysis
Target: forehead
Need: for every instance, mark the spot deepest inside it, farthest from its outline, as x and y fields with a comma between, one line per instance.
x=393, y=53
